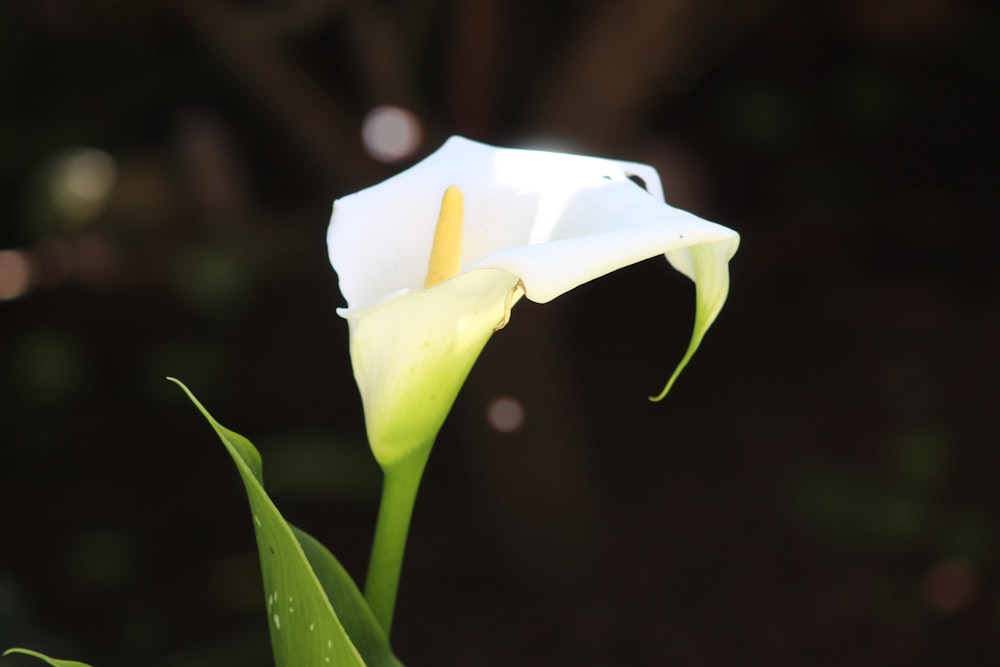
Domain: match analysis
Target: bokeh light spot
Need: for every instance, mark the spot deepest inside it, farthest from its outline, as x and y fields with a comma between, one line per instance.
x=80, y=182
x=505, y=414
x=15, y=274
x=391, y=133
x=949, y=586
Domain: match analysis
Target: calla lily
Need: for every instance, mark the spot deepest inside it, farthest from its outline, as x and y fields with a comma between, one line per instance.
x=536, y=224
x=432, y=260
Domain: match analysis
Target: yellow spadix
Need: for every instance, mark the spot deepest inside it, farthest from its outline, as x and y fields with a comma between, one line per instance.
x=446, y=253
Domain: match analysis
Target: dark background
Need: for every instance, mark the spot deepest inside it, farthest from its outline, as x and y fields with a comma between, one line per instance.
x=821, y=486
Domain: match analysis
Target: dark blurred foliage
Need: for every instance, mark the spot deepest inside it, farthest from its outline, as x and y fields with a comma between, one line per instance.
x=820, y=488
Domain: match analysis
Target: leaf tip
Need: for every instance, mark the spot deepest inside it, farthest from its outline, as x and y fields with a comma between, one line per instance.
x=673, y=378
x=17, y=651
x=44, y=658
x=184, y=388
x=663, y=394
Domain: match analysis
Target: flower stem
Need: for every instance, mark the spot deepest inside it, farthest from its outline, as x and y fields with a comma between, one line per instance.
x=399, y=493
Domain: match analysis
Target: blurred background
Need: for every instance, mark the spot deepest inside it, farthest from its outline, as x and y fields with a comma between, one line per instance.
x=819, y=488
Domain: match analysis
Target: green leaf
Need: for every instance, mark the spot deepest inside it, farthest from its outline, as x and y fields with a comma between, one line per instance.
x=45, y=658
x=349, y=603
x=316, y=615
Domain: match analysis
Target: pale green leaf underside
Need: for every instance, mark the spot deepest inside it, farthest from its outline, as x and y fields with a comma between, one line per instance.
x=708, y=266
x=44, y=658
x=316, y=615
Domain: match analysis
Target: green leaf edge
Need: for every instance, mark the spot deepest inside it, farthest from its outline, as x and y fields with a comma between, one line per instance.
x=54, y=662
x=372, y=641
x=356, y=616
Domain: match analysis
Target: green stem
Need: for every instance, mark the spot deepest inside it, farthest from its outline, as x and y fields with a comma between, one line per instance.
x=399, y=493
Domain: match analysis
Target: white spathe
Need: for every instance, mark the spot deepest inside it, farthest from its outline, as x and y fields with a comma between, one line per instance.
x=536, y=222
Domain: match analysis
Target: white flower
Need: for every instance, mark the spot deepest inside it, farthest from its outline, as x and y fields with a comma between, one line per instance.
x=536, y=224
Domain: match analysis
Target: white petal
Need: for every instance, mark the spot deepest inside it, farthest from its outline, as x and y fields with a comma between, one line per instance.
x=602, y=228
x=380, y=237
x=551, y=220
